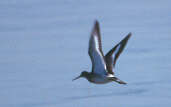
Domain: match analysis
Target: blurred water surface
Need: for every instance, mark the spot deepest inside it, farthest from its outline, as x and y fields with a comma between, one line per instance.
x=44, y=43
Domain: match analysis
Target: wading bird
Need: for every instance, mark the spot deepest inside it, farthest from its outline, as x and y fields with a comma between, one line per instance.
x=102, y=66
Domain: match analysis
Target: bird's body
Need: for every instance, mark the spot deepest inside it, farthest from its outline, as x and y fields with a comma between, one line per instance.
x=97, y=79
x=102, y=66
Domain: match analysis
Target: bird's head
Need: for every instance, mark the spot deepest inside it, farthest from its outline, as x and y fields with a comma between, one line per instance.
x=83, y=74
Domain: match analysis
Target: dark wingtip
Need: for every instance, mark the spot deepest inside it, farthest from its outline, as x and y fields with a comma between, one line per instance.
x=96, y=27
x=129, y=35
x=96, y=24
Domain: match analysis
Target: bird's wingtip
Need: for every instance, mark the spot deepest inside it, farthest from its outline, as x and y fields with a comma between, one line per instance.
x=96, y=23
x=130, y=33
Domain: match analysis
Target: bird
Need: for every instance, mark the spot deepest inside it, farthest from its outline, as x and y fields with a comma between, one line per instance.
x=102, y=66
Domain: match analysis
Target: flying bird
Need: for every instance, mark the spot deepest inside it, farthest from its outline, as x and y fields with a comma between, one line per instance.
x=102, y=66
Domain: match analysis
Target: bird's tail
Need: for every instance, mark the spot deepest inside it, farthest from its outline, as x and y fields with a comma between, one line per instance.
x=117, y=80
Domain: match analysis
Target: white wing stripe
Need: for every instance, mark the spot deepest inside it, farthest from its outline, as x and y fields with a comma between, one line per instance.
x=116, y=51
x=97, y=49
x=96, y=44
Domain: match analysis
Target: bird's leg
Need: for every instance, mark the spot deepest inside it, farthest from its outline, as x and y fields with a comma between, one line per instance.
x=117, y=80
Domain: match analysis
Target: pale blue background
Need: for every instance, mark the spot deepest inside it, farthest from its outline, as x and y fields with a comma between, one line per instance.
x=43, y=46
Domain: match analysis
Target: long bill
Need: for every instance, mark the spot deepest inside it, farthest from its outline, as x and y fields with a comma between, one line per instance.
x=76, y=78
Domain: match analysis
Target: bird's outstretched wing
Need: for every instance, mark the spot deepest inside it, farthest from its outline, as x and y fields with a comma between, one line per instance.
x=112, y=56
x=95, y=51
